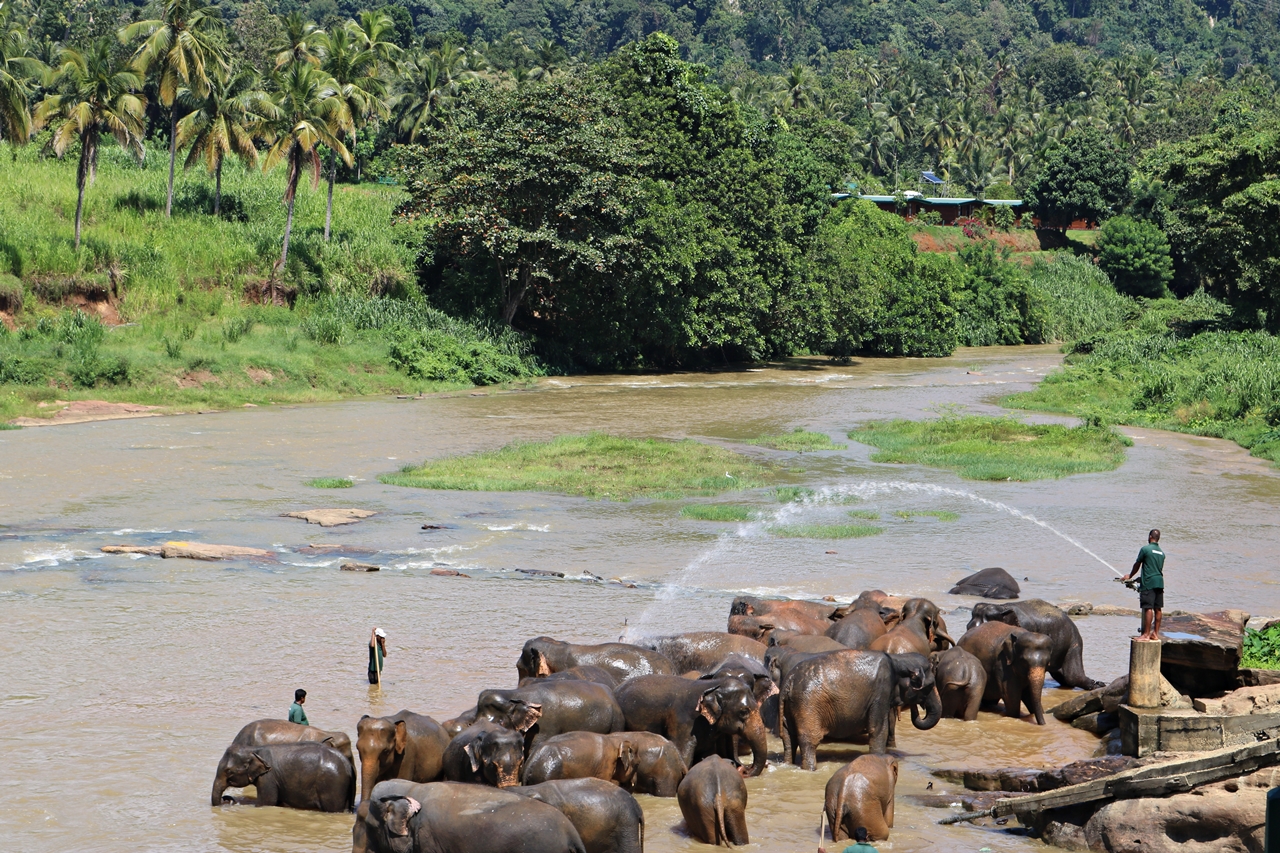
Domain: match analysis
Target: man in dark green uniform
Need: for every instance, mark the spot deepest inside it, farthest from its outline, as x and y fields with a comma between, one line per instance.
x=1150, y=586
x=296, y=714
x=377, y=653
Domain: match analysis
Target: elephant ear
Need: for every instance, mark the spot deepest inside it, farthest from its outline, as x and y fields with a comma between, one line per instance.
x=709, y=705
x=764, y=688
x=257, y=765
x=626, y=765
x=398, y=811
x=1006, y=649
x=539, y=667
x=1008, y=616
x=524, y=715
x=402, y=737
x=470, y=750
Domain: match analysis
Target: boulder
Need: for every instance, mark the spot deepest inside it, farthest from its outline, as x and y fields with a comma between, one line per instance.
x=1025, y=780
x=1084, y=609
x=149, y=550
x=1107, y=698
x=347, y=550
x=353, y=566
x=1208, y=820
x=1097, y=724
x=330, y=517
x=989, y=583
x=541, y=573
x=1257, y=677
x=205, y=551
x=448, y=573
x=1264, y=699
x=1200, y=652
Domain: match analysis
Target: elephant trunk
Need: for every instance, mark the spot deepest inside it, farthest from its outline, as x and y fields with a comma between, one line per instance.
x=369, y=773
x=219, y=783
x=1035, y=688
x=942, y=640
x=932, y=711
x=754, y=732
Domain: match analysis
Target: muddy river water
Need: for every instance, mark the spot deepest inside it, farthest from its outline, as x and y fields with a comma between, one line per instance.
x=122, y=679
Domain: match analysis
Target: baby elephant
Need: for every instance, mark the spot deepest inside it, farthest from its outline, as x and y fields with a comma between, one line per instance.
x=486, y=754
x=312, y=776
x=861, y=794
x=961, y=681
x=713, y=800
x=608, y=819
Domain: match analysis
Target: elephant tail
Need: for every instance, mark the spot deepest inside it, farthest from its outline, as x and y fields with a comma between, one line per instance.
x=721, y=835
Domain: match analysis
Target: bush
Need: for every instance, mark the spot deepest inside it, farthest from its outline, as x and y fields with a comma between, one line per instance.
x=1135, y=254
x=1076, y=300
x=997, y=304
x=438, y=356
x=929, y=217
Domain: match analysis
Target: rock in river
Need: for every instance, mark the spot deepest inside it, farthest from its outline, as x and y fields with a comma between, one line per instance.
x=331, y=517
x=1200, y=652
x=193, y=551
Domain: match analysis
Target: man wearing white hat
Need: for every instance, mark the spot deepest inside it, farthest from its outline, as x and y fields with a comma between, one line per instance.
x=377, y=651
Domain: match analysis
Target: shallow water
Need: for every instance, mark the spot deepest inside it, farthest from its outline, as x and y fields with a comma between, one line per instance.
x=122, y=679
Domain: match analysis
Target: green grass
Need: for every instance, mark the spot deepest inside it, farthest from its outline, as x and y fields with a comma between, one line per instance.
x=865, y=514
x=799, y=440
x=825, y=531
x=331, y=483
x=717, y=512
x=940, y=514
x=593, y=466
x=984, y=448
x=791, y=494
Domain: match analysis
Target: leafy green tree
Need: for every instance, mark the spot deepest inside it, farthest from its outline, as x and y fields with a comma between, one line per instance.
x=1087, y=177
x=184, y=46
x=536, y=183
x=996, y=303
x=302, y=114
x=94, y=94
x=353, y=66
x=221, y=122
x=16, y=70
x=1135, y=254
x=257, y=32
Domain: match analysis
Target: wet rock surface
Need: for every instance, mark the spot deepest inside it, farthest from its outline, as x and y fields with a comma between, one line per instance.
x=331, y=517
x=1264, y=699
x=193, y=551
x=353, y=566
x=1200, y=652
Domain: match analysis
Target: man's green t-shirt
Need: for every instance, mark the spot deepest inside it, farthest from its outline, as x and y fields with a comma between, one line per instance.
x=297, y=715
x=375, y=666
x=860, y=847
x=1152, y=559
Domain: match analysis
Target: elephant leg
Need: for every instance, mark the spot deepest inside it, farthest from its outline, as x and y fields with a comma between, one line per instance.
x=873, y=820
x=892, y=741
x=878, y=735
x=974, y=701
x=808, y=749
x=268, y=790
x=888, y=811
x=1013, y=691
x=735, y=826
x=1072, y=674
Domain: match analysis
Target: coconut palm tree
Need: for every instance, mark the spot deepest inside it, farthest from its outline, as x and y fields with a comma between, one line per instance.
x=302, y=41
x=800, y=87
x=220, y=123
x=183, y=46
x=430, y=82
x=93, y=94
x=302, y=114
x=353, y=68
x=16, y=68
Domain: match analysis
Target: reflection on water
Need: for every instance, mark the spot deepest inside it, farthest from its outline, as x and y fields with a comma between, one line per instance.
x=122, y=678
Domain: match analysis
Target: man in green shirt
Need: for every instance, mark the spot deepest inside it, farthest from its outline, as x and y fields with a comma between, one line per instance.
x=1150, y=586
x=860, y=844
x=296, y=714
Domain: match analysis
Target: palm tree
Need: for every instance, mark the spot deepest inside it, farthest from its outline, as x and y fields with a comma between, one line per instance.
x=430, y=82
x=354, y=71
x=549, y=57
x=16, y=67
x=800, y=86
x=303, y=41
x=220, y=123
x=183, y=45
x=93, y=94
x=302, y=114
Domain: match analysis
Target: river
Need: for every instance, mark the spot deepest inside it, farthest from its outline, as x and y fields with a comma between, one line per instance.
x=123, y=678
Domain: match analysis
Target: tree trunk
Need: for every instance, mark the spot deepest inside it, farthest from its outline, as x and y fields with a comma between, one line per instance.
x=217, y=189
x=328, y=211
x=514, y=298
x=173, y=156
x=82, y=173
x=288, y=223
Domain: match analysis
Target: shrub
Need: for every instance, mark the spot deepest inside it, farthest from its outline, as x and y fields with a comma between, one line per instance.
x=438, y=356
x=1135, y=254
x=1077, y=300
x=929, y=217
x=973, y=228
x=1003, y=217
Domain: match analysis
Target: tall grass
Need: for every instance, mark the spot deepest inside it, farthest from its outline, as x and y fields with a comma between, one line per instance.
x=717, y=512
x=1076, y=299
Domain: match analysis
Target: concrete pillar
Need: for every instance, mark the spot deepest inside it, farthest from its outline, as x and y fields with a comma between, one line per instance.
x=1271, y=838
x=1144, y=673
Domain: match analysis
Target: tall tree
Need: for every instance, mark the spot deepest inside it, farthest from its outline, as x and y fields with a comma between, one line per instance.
x=183, y=46
x=302, y=114
x=93, y=94
x=300, y=41
x=16, y=68
x=354, y=69
x=220, y=123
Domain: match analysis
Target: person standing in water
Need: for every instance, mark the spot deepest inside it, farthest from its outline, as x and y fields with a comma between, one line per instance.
x=296, y=714
x=859, y=845
x=1150, y=586
x=377, y=652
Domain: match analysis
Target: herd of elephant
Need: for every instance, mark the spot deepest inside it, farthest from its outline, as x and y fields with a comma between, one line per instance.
x=552, y=765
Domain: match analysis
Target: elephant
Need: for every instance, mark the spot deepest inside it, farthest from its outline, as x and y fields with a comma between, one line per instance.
x=451, y=817
x=861, y=794
x=863, y=626
x=583, y=755
x=713, y=800
x=805, y=642
x=694, y=715
x=271, y=732
x=1015, y=660
x=486, y=754
x=312, y=776
x=703, y=650
x=597, y=674
x=543, y=709
x=748, y=605
x=403, y=746
x=543, y=656
x=988, y=583
x=962, y=680
x=852, y=695
x=752, y=673
x=760, y=627
x=1066, y=664
x=608, y=819
x=920, y=631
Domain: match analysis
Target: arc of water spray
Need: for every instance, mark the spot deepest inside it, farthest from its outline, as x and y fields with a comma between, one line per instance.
x=867, y=488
